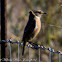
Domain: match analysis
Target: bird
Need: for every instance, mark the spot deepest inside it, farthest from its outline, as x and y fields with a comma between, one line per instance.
x=32, y=27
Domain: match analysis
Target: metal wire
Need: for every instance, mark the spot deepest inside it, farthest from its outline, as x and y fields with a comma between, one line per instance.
x=59, y=57
x=29, y=55
x=39, y=56
x=10, y=51
x=29, y=45
x=18, y=51
x=49, y=54
x=38, y=46
x=10, y=54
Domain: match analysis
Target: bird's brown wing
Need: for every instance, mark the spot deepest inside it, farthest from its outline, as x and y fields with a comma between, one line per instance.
x=27, y=32
x=29, y=29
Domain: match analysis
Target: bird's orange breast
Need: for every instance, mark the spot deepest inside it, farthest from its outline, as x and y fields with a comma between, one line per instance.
x=37, y=26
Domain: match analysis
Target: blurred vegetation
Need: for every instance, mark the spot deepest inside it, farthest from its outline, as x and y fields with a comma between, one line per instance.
x=49, y=36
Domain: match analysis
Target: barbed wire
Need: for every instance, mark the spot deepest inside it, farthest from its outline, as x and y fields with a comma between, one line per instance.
x=31, y=46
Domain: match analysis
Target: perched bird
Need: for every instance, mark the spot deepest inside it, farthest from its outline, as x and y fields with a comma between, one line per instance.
x=32, y=28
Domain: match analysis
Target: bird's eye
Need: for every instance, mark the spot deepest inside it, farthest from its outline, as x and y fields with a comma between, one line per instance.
x=39, y=12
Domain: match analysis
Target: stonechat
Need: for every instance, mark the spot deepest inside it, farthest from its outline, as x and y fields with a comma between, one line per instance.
x=32, y=28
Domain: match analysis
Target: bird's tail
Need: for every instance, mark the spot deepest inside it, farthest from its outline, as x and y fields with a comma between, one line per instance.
x=24, y=43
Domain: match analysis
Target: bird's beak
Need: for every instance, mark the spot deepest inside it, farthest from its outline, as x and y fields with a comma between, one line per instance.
x=44, y=13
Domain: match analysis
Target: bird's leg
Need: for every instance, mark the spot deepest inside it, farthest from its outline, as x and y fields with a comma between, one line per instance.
x=35, y=46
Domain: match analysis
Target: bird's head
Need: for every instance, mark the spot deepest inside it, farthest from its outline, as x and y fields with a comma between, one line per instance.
x=38, y=13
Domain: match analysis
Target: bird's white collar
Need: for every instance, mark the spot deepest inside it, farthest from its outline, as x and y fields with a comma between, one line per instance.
x=38, y=17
